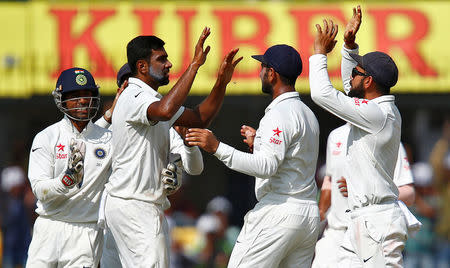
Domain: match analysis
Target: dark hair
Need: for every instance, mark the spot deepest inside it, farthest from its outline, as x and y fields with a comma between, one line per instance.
x=140, y=48
x=288, y=81
x=381, y=89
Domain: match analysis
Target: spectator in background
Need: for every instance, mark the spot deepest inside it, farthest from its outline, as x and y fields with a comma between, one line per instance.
x=440, y=161
x=208, y=227
x=226, y=235
x=16, y=222
x=419, y=248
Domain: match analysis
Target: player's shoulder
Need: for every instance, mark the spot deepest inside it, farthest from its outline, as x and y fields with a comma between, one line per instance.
x=48, y=134
x=50, y=130
x=340, y=132
x=100, y=134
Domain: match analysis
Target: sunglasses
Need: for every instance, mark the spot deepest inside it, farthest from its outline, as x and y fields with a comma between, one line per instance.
x=355, y=72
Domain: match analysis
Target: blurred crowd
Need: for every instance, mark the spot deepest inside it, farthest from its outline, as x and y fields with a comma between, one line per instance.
x=204, y=238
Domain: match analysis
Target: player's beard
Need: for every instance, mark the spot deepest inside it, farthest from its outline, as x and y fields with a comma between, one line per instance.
x=160, y=77
x=266, y=87
x=357, y=91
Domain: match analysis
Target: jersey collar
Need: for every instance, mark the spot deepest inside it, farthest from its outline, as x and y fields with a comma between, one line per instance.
x=281, y=98
x=139, y=83
x=385, y=98
x=67, y=125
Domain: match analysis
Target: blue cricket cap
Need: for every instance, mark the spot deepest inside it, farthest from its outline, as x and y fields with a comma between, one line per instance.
x=380, y=66
x=284, y=59
x=74, y=79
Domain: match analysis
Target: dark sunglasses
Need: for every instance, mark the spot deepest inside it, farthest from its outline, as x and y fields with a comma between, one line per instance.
x=355, y=72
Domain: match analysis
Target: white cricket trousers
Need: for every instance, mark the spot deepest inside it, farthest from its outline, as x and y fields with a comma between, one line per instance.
x=375, y=237
x=277, y=233
x=140, y=231
x=327, y=248
x=58, y=244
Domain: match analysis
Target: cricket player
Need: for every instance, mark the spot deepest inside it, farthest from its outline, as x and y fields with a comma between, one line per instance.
x=185, y=158
x=141, y=121
x=282, y=229
x=70, y=162
x=377, y=231
x=333, y=198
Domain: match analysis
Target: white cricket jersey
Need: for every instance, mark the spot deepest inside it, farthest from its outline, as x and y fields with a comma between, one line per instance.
x=48, y=162
x=141, y=148
x=373, y=140
x=285, y=151
x=190, y=155
x=335, y=163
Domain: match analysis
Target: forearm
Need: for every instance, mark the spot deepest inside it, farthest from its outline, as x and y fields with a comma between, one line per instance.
x=365, y=115
x=407, y=194
x=347, y=64
x=102, y=122
x=167, y=107
x=46, y=190
x=324, y=203
x=209, y=107
x=250, y=164
x=192, y=160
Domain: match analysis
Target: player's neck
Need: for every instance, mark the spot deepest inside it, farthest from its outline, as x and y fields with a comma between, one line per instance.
x=278, y=90
x=149, y=81
x=79, y=125
x=372, y=95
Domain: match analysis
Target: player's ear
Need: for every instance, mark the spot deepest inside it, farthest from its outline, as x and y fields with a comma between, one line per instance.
x=271, y=74
x=142, y=66
x=368, y=82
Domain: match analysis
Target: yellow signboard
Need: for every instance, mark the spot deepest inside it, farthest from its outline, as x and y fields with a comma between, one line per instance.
x=41, y=39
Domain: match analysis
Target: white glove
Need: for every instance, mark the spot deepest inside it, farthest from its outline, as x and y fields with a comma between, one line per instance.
x=75, y=167
x=172, y=176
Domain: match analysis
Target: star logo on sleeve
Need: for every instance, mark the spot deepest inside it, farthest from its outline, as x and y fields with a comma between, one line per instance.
x=338, y=144
x=277, y=132
x=60, y=147
x=364, y=101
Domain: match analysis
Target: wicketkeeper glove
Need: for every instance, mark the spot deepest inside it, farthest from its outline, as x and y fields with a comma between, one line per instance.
x=75, y=167
x=172, y=175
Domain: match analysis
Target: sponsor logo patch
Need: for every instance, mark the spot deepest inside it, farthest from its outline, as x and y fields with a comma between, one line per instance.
x=277, y=132
x=275, y=141
x=60, y=147
x=61, y=156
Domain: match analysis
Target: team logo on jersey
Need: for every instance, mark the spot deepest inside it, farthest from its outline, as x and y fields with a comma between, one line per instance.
x=60, y=149
x=81, y=79
x=100, y=153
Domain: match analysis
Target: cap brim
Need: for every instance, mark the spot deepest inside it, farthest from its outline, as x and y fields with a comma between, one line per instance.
x=260, y=58
x=357, y=58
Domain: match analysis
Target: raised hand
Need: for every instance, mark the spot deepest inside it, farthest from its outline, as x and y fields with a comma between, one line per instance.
x=109, y=112
x=325, y=39
x=249, y=133
x=200, y=53
x=352, y=28
x=202, y=138
x=227, y=67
